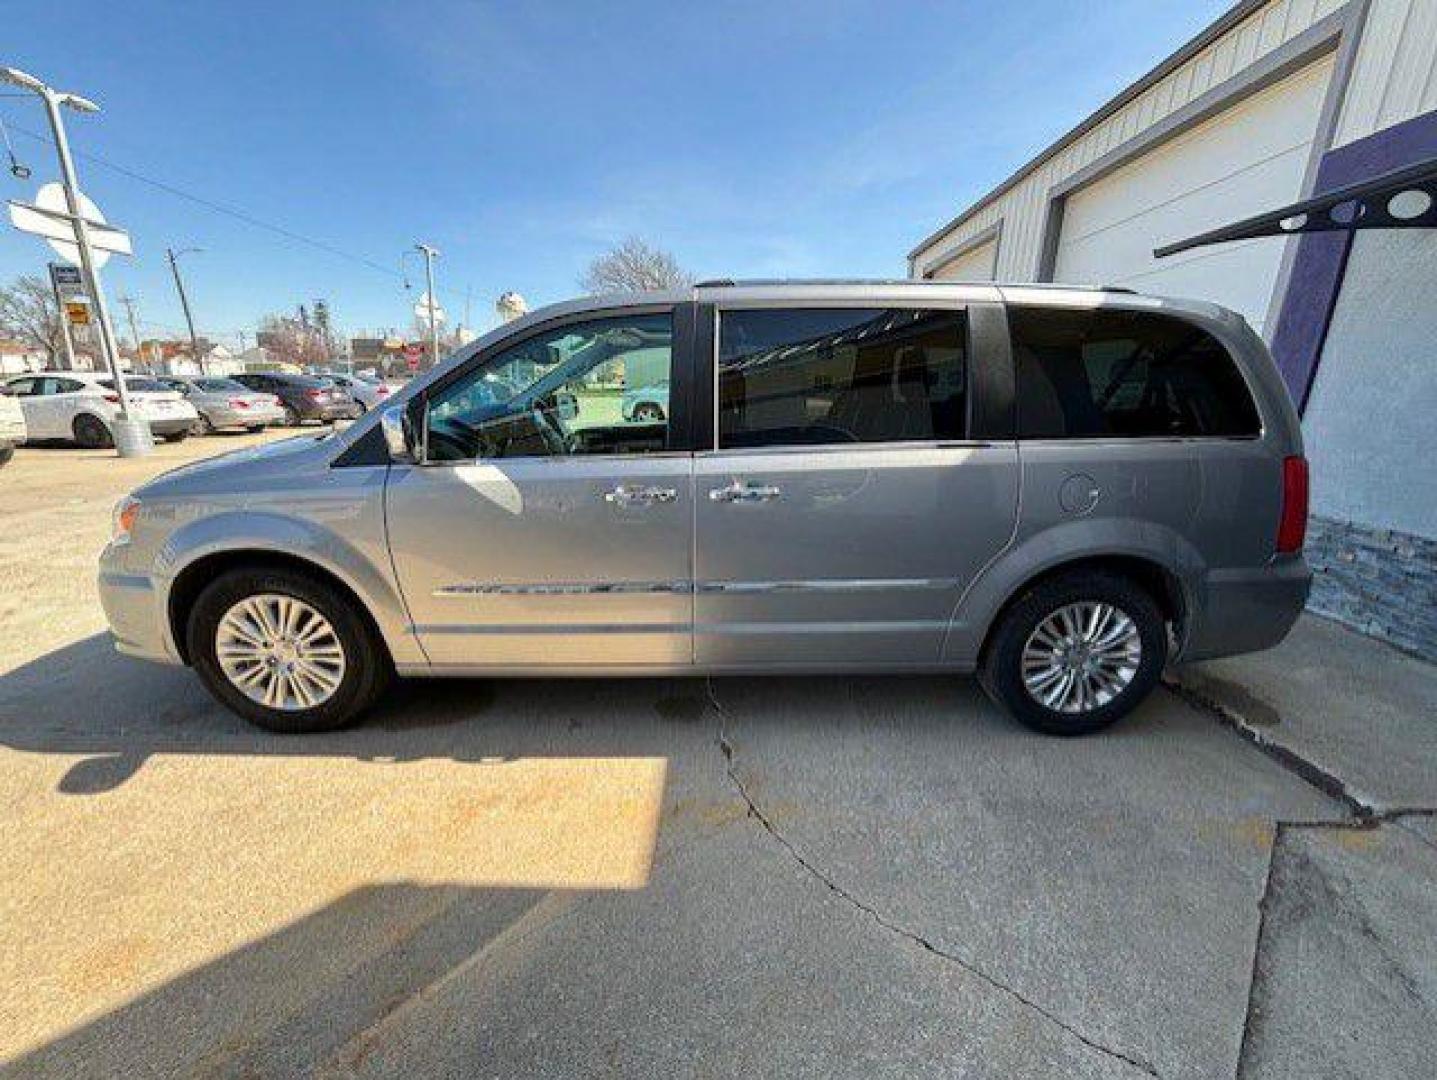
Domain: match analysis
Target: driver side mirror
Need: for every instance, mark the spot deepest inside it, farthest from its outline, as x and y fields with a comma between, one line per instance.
x=403, y=430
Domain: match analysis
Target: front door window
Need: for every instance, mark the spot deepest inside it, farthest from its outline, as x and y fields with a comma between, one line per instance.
x=569, y=391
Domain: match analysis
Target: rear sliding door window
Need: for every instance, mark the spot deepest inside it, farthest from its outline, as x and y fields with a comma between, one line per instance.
x=814, y=376
x=1086, y=374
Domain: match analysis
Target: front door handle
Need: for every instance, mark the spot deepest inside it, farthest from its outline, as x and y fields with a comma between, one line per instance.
x=623, y=495
x=741, y=492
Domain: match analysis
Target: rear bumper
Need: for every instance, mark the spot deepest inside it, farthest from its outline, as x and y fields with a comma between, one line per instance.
x=244, y=417
x=171, y=425
x=1242, y=611
x=345, y=411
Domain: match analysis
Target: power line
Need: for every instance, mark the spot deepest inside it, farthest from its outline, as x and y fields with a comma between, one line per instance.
x=229, y=211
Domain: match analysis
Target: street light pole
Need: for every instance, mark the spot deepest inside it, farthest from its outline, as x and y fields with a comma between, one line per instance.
x=429, y=256
x=132, y=435
x=174, y=257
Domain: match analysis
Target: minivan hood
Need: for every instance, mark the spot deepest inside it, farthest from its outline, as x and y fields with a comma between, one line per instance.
x=285, y=455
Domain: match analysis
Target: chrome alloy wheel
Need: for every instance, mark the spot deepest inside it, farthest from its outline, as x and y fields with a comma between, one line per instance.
x=1081, y=657
x=280, y=652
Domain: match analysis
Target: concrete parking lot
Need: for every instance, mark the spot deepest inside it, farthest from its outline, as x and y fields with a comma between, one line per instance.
x=786, y=877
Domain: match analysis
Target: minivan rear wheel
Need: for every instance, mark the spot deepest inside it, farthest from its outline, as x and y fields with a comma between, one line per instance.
x=1076, y=652
x=286, y=651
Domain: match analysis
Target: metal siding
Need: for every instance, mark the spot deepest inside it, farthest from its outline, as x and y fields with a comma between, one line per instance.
x=1395, y=76
x=1023, y=207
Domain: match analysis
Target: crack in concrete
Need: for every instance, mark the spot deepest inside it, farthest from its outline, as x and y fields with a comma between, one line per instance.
x=1365, y=816
x=1325, y=781
x=754, y=811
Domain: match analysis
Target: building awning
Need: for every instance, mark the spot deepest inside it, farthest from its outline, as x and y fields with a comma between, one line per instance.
x=1402, y=199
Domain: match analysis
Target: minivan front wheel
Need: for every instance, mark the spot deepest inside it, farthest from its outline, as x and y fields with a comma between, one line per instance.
x=285, y=651
x=1076, y=652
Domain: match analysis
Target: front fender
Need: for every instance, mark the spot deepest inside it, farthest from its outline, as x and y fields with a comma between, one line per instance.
x=1067, y=542
x=359, y=559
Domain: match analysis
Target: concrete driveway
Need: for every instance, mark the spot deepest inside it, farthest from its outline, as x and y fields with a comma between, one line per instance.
x=785, y=877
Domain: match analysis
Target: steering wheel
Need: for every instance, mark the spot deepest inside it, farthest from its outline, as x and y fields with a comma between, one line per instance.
x=552, y=432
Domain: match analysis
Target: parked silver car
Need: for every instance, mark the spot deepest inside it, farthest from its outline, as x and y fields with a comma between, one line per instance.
x=369, y=393
x=1060, y=489
x=224, y=403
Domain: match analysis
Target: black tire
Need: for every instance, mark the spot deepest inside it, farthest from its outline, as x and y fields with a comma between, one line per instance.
x=367, y=665
x=255, y=429
x=177, y=436
x=6, y=453
x=91, y=433
x=291, y=417
x=1000, y=671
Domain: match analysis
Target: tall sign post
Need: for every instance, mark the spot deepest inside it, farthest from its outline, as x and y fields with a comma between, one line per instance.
x=65, y=283
x=132, y=434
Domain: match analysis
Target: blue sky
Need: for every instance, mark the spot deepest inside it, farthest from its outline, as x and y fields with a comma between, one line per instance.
x=751, y=139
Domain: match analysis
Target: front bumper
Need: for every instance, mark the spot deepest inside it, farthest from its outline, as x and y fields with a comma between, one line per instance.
x=1243, y=611
x=135, y=609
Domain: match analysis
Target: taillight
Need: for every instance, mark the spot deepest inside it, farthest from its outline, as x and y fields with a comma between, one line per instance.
x=314, y=395
x=113, y=399
x=238, y=403
x=381, y=391
x=1292, y=526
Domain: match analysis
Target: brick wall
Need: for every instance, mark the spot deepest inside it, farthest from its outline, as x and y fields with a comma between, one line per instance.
x=1379, y=581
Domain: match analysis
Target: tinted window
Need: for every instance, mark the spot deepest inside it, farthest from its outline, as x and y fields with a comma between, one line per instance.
x=139, y=386
x=63, y=386
x=1124, y=374
x=220, y=386
x=841, y=375
x=561, y=392
x=24, y=387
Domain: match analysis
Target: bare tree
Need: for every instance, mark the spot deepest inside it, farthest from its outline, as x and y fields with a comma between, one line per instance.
x=291, y=340
x=28, y=313
x=634, y=266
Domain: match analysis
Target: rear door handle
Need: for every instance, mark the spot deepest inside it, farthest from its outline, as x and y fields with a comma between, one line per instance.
x=741, y=492
x=624, y=495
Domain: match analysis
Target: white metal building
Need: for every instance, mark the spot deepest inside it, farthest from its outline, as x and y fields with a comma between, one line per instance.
x=1276, y=101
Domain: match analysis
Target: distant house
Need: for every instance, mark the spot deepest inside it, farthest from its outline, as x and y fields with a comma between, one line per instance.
x=18, y=357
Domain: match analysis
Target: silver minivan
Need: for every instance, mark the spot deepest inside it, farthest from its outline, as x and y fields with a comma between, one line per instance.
x=1061, y=489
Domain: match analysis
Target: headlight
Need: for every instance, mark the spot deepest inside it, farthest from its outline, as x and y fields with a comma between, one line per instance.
x=126, y=511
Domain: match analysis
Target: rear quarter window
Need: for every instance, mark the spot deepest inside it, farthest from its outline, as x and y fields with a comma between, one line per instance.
x=1093, y=374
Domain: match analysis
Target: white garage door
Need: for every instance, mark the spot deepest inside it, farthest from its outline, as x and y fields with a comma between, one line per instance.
x=1248, y=159
x=976, y=265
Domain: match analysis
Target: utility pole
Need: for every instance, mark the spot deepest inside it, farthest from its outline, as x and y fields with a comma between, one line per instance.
x=132, y=434
x=174, y=257
x=129, y=303
x=429, y=254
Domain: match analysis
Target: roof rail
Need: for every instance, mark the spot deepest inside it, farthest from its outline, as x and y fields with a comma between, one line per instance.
x=734, y=283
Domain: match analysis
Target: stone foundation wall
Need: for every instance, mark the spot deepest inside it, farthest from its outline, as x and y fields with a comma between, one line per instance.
x=1378, y=581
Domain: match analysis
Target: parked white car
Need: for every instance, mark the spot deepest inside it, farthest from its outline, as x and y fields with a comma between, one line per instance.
x=81, y=406
x=367, y=392
x=12, y=426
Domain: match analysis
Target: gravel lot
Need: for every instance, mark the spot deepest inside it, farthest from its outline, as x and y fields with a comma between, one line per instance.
x=786, y=877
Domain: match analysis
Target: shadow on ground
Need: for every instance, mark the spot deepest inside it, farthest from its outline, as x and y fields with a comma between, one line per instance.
x=86, y=699
x=282, y=1005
